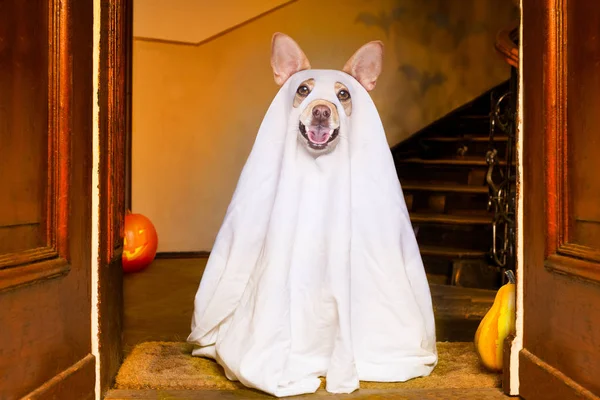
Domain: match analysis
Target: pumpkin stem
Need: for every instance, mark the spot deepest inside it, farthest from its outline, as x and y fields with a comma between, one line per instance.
x=511, y=276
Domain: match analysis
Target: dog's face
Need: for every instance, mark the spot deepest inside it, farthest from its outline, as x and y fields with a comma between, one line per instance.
x=319, y=120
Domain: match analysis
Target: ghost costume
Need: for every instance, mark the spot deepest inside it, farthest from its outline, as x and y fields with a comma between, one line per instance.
x=316, y=270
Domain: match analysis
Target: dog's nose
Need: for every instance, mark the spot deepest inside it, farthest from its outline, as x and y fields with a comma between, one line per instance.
x=321, y=112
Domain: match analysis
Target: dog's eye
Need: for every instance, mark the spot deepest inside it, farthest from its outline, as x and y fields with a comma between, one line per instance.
x=303, y=90
x=343, y=95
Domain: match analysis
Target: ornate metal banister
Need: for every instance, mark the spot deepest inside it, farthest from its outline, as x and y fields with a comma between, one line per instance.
x=501, y=180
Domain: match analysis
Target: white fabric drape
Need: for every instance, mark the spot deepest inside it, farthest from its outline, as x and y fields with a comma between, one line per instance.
x=316, y=270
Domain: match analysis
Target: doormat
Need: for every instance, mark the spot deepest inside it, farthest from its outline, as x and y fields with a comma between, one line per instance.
x=170, y=366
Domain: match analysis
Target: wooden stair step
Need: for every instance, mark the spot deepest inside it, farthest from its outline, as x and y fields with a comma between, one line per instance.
x=446, y=188
x=451, y=252
x=459, y=161
x=455, y=302
x=473, y=116
x=452, y=219
x=460, y=303
x=452, y=292
x=446, y=234
x=466, y=138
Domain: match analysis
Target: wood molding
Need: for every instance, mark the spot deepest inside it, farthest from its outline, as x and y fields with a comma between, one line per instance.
x=31, y=265
x=26, y=257
x=539, y=380
x=13, y=278
x=580, y=251
x=573, y=267
x=59, y=123
x=506, y=47
x=556, y=129
x=111, y=308
x=182, y=254
x=115, y=122
x=113, y=126
x=506, y=358
x=128, y=44
x=73, y=383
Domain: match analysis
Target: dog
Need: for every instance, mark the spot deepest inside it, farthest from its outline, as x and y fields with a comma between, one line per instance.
x=316, y=271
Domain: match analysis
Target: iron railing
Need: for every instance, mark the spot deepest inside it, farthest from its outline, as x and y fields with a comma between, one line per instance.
x=501, y=176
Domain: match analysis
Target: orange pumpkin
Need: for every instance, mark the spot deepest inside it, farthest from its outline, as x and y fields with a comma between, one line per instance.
x=140, y=243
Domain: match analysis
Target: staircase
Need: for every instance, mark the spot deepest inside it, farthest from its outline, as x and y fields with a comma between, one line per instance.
x=459, y=180
x=442, y=170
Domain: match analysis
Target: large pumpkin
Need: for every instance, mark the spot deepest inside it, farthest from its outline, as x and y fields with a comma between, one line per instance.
x=140, y=242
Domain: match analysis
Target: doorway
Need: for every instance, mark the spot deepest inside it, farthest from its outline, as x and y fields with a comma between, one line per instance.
x=207, y=71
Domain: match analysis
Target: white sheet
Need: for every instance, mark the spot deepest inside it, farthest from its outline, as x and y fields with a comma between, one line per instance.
x=316, y=270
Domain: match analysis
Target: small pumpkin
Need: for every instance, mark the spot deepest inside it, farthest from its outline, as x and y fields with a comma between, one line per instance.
x=497, y=324
x=140, y=242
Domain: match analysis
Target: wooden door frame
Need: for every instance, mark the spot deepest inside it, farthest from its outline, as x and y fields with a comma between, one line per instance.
x=514, y=342
x=114, y=96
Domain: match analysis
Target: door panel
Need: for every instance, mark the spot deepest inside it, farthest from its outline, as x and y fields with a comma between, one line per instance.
x=561, y=195
x=23, y=84
x=34, y=195
x=583, y=120
x=45, y=198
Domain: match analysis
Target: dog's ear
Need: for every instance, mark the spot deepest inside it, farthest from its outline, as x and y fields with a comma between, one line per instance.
x=365, y=65
x=287, y=58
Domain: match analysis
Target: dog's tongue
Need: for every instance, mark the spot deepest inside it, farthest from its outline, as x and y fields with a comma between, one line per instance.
x=318, y=134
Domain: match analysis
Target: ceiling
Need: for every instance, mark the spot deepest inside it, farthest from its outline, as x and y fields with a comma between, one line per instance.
x=193, y=21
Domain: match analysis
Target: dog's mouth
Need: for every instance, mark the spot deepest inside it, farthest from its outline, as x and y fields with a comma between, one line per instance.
x=318, y=136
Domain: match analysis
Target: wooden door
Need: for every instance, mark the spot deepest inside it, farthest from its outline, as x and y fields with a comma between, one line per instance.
x=561, y=192
x=45, y=199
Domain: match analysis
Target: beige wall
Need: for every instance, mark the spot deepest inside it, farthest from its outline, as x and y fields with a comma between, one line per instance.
x=196, y=109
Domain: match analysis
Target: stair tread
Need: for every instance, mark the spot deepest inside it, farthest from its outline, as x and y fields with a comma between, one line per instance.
x=468, y=161
x=452, y=291
x=473, y=116
x=466, y=138
x=457, y=219
x=430, y=187
x=455, y=302
x=452, y=252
